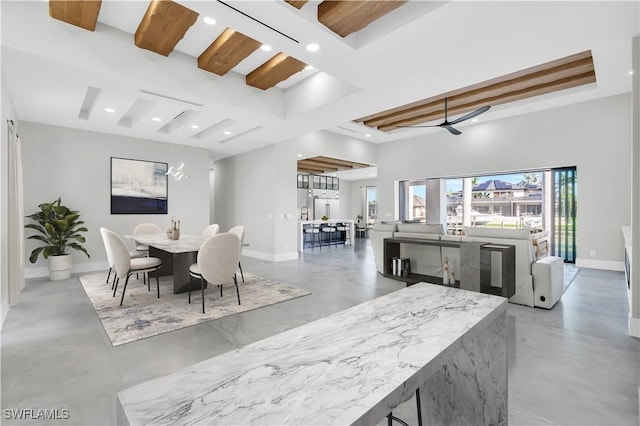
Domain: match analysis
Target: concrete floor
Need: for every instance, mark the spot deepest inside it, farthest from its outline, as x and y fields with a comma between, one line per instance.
x=574, y=364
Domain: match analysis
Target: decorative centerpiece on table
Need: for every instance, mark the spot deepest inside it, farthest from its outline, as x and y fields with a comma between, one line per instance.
x=59, y=229
x=173, y=233
x=324, y=217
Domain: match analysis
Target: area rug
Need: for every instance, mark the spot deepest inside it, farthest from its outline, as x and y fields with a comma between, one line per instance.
x=144, y=315
x=570, y=272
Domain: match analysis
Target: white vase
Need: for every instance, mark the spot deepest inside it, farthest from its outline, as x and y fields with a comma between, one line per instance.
x=59, y=267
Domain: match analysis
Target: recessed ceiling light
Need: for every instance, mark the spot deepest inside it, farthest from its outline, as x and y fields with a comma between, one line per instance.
x=313, y=47
x=368, y=135
x=110, y=110
x=156, y=119
x=308, y=67
x=474, y=119
x=299, y=155
x=631, y=72
x=227, y=132
x=209, y=20
x=266, y=48
x=195, y=126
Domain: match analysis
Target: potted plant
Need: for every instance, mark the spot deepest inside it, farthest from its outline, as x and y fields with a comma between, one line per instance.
x=59, y=230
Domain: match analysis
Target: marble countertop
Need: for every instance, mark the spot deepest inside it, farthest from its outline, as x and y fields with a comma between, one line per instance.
x=347, y=368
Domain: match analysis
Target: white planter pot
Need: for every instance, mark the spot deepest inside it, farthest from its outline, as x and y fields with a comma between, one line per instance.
x=59, y=267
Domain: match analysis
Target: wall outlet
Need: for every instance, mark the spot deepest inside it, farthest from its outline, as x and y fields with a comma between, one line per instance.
x=592, y=253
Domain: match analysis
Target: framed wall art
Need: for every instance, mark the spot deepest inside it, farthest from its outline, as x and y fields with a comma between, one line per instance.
x=138, y=186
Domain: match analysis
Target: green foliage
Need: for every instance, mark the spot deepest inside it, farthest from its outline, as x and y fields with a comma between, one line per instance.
x=59, y=230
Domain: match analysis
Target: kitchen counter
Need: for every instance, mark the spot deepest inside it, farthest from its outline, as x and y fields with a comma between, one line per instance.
x=352, y=367
x=302, y=223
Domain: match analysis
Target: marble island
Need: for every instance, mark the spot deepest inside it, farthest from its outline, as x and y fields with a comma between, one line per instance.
x=352, y=367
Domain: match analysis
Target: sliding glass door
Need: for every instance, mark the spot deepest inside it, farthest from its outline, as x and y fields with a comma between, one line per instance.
x=563, y=237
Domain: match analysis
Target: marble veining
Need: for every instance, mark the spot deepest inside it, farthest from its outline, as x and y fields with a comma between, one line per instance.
x=186, y=243
x=347, y=368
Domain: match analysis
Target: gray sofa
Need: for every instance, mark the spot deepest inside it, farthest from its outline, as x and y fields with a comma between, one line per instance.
x=538, y=282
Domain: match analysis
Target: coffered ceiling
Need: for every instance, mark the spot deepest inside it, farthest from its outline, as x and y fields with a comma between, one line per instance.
x=157, y=70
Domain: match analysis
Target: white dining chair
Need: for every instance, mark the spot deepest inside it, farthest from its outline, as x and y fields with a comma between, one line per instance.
x=146, y=229
x=134, y=254
x=217, y=260
x=210, y=230
x=125, y=265
x=239, y=231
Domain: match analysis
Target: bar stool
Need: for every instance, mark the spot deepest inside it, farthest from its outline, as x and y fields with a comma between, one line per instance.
x=329, y=229
x=314, y=235
x=346, y=228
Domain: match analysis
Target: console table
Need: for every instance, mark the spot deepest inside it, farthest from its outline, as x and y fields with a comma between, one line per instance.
x=353, y=367
x=475, y=261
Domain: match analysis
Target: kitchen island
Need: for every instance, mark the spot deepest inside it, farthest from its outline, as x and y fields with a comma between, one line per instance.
x=302, y=224
x=352, y=367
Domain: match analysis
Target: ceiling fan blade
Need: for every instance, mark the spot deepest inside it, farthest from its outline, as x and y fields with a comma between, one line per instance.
x=451, y=129
x=471, y=114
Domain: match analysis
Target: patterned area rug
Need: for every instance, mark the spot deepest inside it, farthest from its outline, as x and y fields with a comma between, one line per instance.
x=143, y=315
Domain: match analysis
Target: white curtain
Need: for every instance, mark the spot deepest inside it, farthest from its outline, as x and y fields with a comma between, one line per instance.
x=16, y=218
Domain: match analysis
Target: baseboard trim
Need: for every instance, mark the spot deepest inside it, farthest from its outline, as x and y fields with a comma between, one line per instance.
x=80, y=268
x=634, y=326
x=280, y=257
x=609, y=265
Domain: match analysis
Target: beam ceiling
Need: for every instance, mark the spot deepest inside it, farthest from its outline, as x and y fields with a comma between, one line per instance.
x=164, y=24
x=81, y=13
x=564, y=73
x=227, y=51
x=323, y=164
x=297, y=3
x=275, y=70
x=348, y=16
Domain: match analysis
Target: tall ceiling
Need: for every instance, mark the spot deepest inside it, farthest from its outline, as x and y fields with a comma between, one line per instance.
x=61, y=74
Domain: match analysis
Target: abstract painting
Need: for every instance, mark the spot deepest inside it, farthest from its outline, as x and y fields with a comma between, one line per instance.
x=138, y=186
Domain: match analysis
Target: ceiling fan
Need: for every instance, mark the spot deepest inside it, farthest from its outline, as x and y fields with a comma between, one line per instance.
x=446, y=124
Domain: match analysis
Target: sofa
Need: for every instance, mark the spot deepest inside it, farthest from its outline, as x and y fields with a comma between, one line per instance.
x=539, y=283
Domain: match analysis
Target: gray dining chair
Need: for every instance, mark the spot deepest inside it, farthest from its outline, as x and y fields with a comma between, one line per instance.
x=239, y=231
x=217, y=260
x=210, y=230
x=125, y=266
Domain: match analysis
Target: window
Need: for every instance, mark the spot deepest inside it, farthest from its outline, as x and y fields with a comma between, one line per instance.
x=510, y=200
x=372, y=204
x=413, y=201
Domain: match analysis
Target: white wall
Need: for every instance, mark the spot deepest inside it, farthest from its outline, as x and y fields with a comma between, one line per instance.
x=258, y=189
x=8, y=113
x=75, y=165
x=355, y=203
x=594, y=136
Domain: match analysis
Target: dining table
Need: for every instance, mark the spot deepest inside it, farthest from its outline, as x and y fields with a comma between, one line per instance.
x=176, y=256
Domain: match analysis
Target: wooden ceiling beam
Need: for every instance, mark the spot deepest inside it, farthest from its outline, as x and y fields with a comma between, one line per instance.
x=564, y=73
x=81, y=13
x=164, y=24
x=227, y=51
x=327, y=166
x=343, y=162
x=555, y=66
x=348, y=16
x=491, y=91
x=516, y=95
x=297, y=3
x=275, y=70
x=310, y=170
